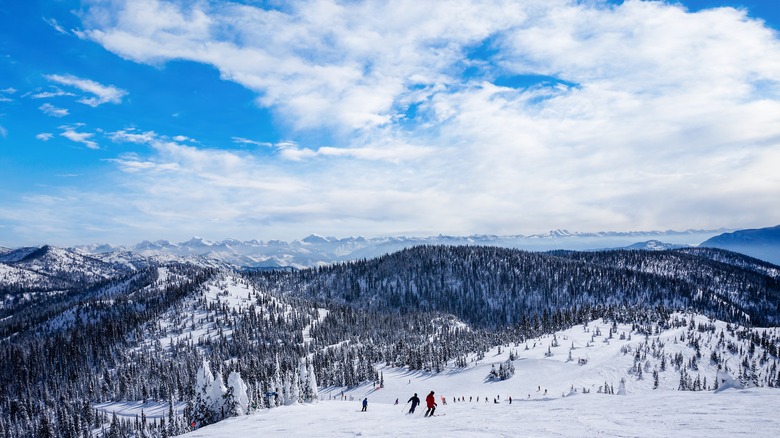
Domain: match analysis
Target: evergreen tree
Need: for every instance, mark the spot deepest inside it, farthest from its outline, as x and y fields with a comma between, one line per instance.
x=45, y=430
x=236, y=398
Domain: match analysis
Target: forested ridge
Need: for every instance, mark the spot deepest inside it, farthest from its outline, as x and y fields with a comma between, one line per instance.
x=497, y=287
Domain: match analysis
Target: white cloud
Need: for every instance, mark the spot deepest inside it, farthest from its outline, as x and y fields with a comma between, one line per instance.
x=396, y=153
x=53, y=111
x=79, y=137
x=649, y=117
x=56, y=26
x=3, y=132
x=5, y=92
x=100, y=93
x=129, y=136
x=348, y=67
x=246, y=141
x=44, y=136
x=133, y=164
x=49, y=94
x=147, y=137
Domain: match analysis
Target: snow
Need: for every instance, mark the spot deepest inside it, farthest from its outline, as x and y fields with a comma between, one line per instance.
x=552, y=395
x=11, y=275
x=657, y=414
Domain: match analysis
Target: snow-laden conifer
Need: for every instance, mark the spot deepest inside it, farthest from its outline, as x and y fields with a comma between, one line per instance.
x=236, y=398
x=201, y=404
x=217, y=396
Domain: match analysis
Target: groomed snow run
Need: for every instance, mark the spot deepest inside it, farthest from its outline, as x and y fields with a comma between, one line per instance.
x=553, y=395
x=728, y=413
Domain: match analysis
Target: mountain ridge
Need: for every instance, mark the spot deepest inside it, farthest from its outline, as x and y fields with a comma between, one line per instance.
x=317, y=250
x=492, y=286
x=762, y=243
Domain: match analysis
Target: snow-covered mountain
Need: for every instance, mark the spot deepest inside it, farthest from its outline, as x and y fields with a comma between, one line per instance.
x=51, y=268
x=133, y=335
x=654, y=245
x=315, y=250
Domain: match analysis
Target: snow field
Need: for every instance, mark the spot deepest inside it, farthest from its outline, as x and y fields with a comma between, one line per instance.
x=654, y=414
x=547, y=396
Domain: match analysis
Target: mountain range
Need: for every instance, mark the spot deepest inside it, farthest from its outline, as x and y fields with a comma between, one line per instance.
x=85, y=332
x=51, y=268
x=315, y=250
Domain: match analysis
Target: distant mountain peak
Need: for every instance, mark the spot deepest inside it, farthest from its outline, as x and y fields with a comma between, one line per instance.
x=197, y=241
x=761, y=243
x=315, y=238
x=763, y=236
x=655, y=245
x=38, y=253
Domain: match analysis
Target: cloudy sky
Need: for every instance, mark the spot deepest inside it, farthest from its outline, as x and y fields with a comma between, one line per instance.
x=124, y=120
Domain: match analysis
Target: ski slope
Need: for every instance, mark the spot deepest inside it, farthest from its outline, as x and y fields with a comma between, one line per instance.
x=552, y=395
x=659, y=414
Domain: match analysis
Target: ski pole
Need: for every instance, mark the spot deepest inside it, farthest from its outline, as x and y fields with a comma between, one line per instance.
x=407, y=404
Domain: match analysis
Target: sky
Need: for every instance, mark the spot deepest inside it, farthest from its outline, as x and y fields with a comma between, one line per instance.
x=126, y=120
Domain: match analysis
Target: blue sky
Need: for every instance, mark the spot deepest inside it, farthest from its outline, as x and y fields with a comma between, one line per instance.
x=162, y=119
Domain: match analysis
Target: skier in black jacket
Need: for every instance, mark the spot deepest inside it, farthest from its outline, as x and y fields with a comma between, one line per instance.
x=415, y=401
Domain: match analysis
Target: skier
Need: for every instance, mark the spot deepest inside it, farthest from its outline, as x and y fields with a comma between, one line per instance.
x=365, y=404
x=415, y=401
x=396, y=401
x=431, y=402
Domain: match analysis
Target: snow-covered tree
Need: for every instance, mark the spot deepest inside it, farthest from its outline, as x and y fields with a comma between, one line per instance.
x=308, y=381
x=208, y=404
x=217, y=397
x=236, y=398
x=622, y=387
x=505, y=371
x=201, y=403
x=294, y=394
x=277, y=386
x=312, y=382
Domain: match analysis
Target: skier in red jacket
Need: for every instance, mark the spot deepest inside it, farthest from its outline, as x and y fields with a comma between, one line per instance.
x=431, y=402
